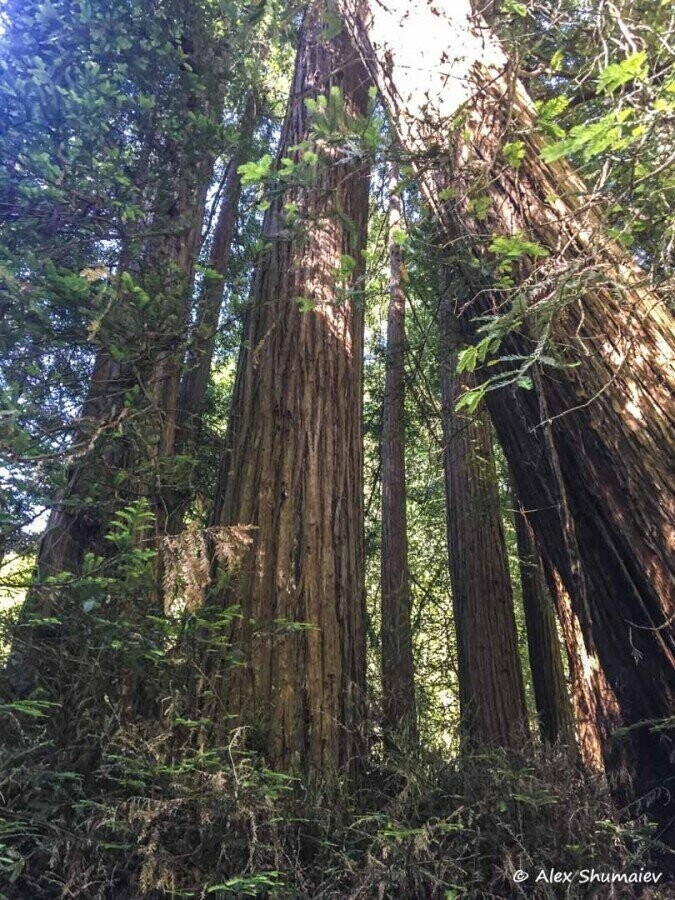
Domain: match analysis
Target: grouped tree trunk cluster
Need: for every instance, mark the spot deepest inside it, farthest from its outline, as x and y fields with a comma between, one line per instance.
x=590, y=446
x=587, y=445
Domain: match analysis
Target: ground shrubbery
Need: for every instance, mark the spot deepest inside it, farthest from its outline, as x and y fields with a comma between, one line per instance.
x=106, y=797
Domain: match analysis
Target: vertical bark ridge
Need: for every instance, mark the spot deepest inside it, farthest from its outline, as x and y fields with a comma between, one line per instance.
x=203, y=339
x=596, y=710
x=548, y=676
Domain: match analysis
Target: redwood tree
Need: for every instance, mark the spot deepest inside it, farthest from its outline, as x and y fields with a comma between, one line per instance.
x=124, y=437
x=293, y=467
x=595, y=707
x=398, y=673
x=608, y=487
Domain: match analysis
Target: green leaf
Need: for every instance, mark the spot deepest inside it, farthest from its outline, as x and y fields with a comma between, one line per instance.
x=471, y=399
x=592, y=138
x=346, y=266
x=633, y=68
x=255, y=172
x=557, y=60
x=515, y=246
x=36, y=709
x=514, y=153
x=248, y=885
x=305, y=304
x=479, y=206
x=518, y=9
x=467, y=359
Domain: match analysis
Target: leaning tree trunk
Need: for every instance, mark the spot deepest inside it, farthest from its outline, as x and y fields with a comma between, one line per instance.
x=548, y=676
x=293, y=470
x=202, y=342
x=491, y=694
x=398, y=671
x=612, y=412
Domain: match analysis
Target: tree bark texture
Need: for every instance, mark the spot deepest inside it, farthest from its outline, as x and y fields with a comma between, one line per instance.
x=548, y=676
x=293, y=468
x=491, y=693
x=398, y=670
x=612, y=413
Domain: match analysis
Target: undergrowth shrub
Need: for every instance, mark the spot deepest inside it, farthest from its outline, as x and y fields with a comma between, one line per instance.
x=144, y=807
x=112, y=787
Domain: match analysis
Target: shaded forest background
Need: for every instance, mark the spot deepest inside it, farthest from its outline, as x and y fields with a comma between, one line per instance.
x=337, y=510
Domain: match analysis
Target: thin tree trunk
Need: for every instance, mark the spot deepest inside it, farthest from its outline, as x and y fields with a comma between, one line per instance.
x=398, y=672
x=491, y=693
x=203, y=340
x=293, y=470
x=612, y=412
x=548, y=676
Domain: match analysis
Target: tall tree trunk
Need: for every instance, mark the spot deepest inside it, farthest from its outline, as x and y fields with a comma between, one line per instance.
x=398, y=671
x=612, y=413
x=548, y=676
x=203, y=339
x=293, y=469
x=491, y=693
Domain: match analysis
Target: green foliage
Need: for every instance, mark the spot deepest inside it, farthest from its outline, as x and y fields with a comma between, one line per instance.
x=140, y=808
x=516, y=8
x=509, y=250
x=476, y=354
x=471, y=399
x=305, y=304
x=612, y=132
x=248, y=885
x=255, y=172
x=117, y=777
x=633, y=68
x=514, y=153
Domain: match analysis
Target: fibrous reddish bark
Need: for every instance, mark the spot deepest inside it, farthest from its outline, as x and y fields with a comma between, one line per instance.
x=398, y=670
x=612, y=412
x=492, y=698
x=293, y=469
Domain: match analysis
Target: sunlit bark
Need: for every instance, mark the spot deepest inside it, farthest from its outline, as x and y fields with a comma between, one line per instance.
x=548, y=676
